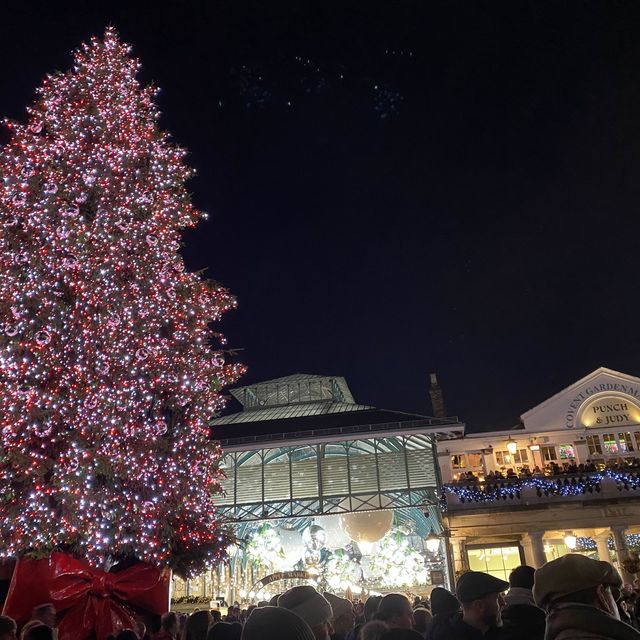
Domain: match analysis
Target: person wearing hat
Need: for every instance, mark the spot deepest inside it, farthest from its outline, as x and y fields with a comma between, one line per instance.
x=344, y=618
x=312, y=607
x=275, y=623
x=521, y=618
x=481, y=597
x=579, y=595
x=445, y=608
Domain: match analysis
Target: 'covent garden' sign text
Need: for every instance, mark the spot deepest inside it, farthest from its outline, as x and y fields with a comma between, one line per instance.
x=605, y=405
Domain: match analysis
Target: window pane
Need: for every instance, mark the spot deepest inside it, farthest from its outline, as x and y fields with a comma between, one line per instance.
x=626, y=444
x=610, y=444
x=548, y=453
x=594, y=444
x=566, y=451
x=474, y=459
x=457, y=461
x=497, y=561
x=524, y=456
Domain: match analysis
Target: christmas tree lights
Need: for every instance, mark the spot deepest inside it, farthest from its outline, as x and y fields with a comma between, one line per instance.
x=108, y=375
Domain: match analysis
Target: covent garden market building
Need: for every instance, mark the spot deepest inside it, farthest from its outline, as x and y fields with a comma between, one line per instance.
x=324, y=491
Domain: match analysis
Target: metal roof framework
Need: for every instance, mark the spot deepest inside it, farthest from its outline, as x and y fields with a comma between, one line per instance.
x=308, y=480
x=294, y=389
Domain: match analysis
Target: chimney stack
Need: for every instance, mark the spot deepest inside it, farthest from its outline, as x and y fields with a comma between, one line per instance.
x=437, y=399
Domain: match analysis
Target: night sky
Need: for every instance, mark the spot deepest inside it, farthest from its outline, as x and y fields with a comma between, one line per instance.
x=398, y=187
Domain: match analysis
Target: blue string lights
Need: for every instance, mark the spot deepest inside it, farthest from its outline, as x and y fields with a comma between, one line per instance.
x=566, y=485
x=589, y=544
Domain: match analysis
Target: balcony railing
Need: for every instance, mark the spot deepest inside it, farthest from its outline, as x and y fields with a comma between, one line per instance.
x=540, y=490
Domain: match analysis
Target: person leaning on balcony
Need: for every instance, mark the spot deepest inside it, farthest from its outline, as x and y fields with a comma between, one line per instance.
x=579, y=595
x=481, y=597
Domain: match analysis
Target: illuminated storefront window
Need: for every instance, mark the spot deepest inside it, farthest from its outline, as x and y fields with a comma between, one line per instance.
x=566, y=451
x=555, y=551
x=504, y=458
x=458, y=461
x=626, y=444
x=610, y=444
x=497, y=561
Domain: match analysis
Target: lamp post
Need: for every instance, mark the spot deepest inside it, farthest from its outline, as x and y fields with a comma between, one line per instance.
x=433, y=543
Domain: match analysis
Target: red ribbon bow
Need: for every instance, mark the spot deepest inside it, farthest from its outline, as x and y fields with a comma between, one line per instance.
x=91, y=602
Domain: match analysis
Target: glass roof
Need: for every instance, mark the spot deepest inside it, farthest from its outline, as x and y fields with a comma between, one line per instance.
x=295, y=389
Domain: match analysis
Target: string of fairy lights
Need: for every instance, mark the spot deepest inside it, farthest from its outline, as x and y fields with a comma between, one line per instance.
x=108, y=374
x=586, y=543
x=512, y=489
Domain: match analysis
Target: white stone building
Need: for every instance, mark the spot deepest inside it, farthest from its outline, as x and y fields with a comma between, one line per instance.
x=592, y=428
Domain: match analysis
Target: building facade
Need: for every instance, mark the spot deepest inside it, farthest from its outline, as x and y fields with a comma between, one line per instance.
x=566, y=478
x=323, y=490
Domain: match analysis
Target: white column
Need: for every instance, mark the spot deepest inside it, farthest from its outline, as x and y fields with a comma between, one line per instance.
x=525, y=541
x=620, y=542
x=460, y=561
x=537, y=548
x=602, y=541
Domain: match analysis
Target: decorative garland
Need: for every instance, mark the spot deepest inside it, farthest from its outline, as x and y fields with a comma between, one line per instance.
x=589, y=544
x=265, y=548
x=191, y=600
x=512, y=489
x=397, y=564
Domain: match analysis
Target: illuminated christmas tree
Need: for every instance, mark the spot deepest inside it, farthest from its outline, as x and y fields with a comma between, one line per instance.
x=107, y=375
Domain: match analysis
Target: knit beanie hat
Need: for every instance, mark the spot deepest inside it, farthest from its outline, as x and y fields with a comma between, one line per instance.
x=275, y=623
x=443, y=602
x=307, y=603
x=339, y=605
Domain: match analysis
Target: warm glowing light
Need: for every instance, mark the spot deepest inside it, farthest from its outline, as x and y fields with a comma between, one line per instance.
x=571, y=541
x=512, y=446
x=433, y=543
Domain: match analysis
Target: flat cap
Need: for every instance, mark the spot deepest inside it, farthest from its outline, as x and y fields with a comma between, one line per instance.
x=569, y=574
x=474, y=585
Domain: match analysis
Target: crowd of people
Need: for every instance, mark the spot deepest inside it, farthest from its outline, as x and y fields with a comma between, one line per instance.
x=552, y=469
x=571, y=598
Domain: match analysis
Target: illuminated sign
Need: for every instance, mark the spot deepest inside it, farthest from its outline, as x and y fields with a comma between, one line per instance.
x=285, y=575
x=582, y=413
x=610, y=411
